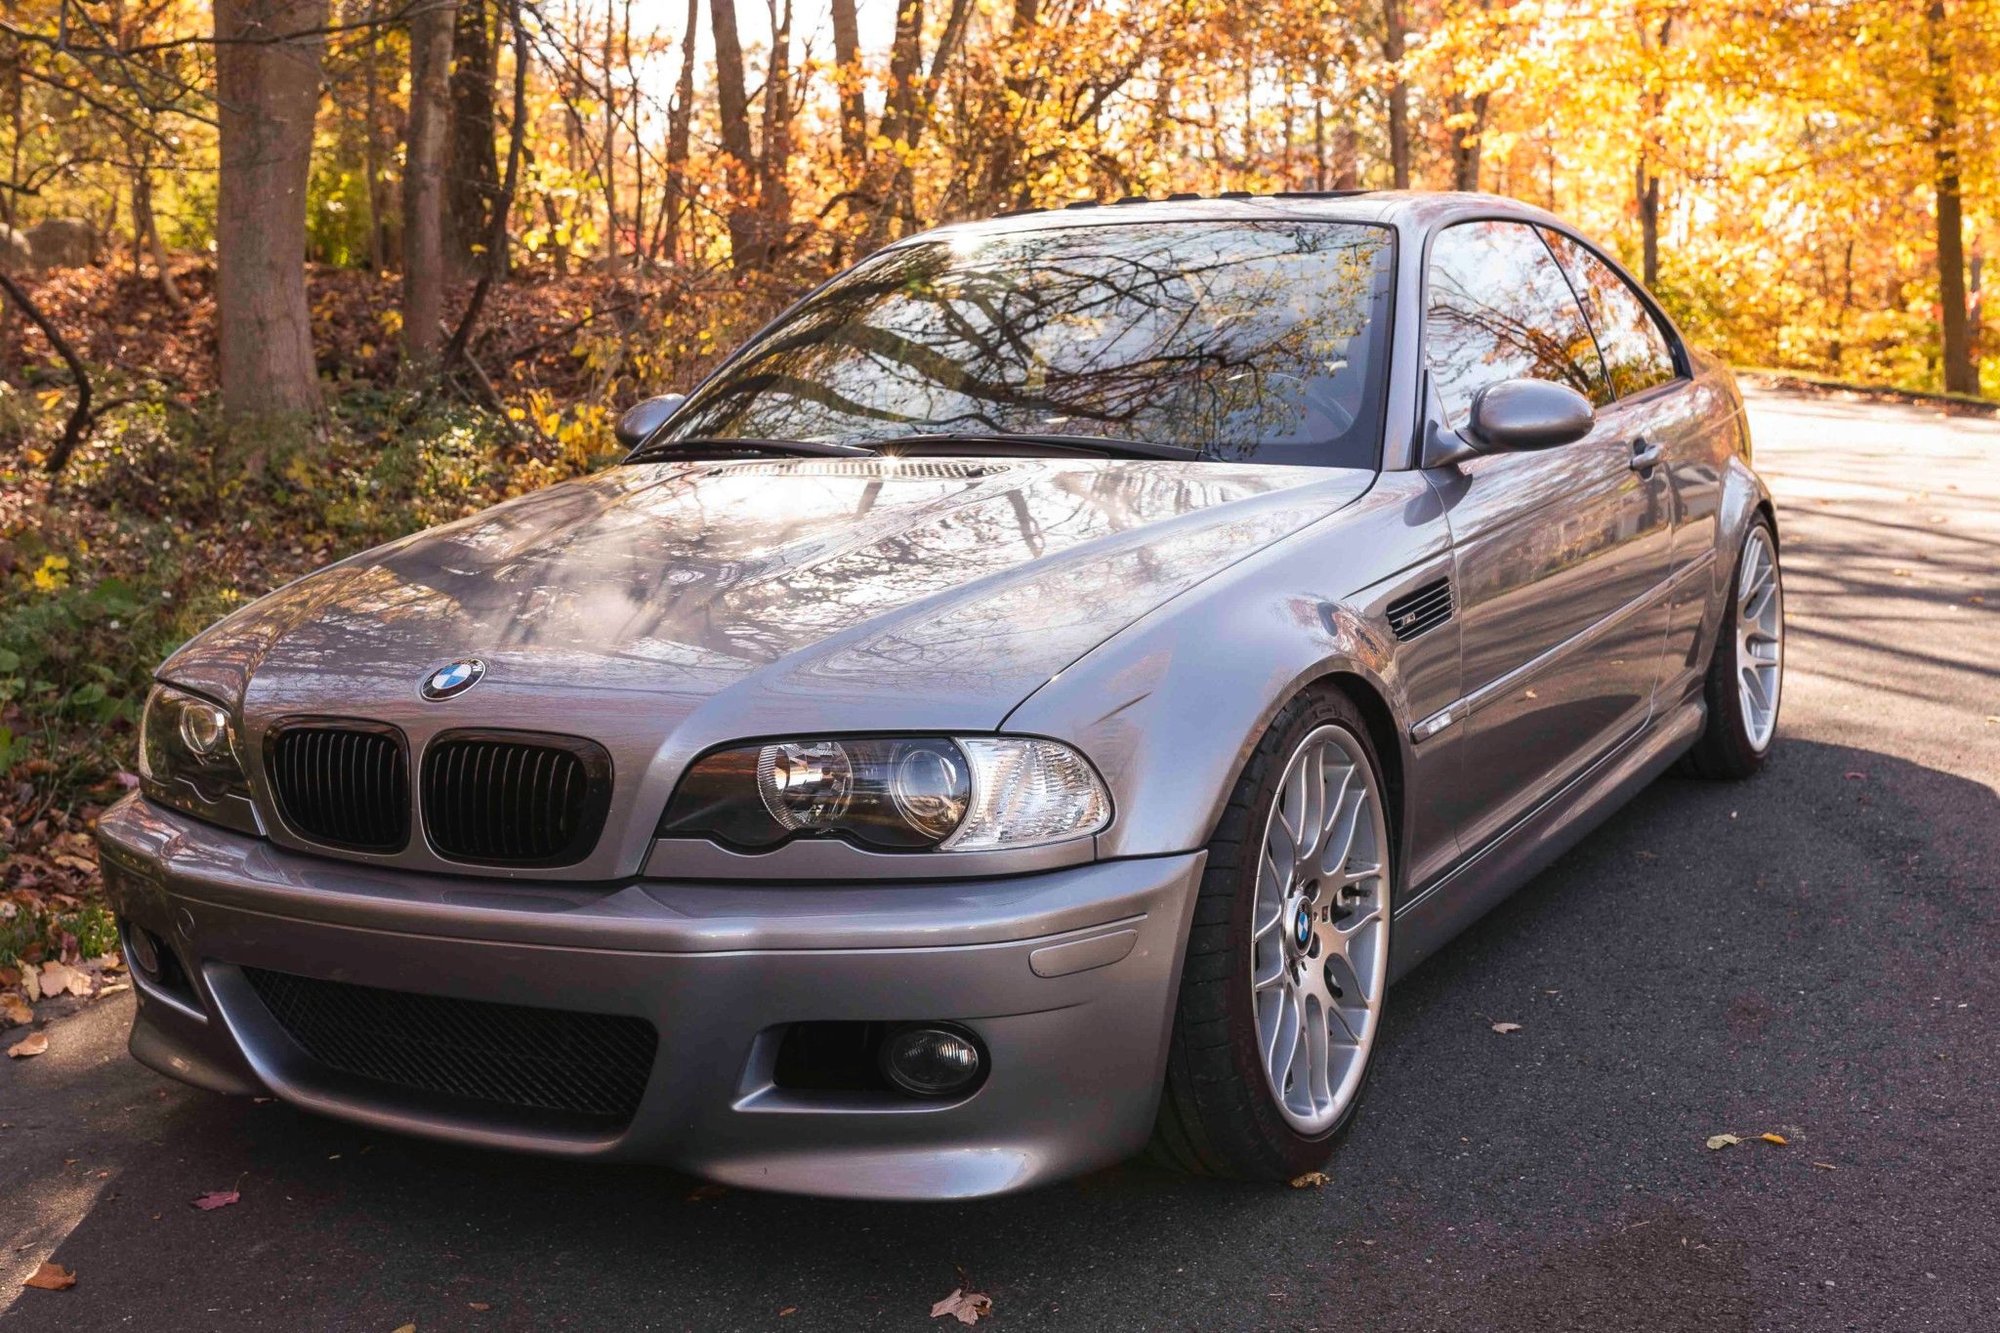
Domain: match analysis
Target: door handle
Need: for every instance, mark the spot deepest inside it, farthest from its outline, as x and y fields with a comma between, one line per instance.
x=1645, y=455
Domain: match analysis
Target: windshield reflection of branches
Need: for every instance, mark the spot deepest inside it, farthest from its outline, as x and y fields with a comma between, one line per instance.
x=1243, y=340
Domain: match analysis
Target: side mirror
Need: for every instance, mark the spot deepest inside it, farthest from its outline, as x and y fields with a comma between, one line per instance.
x=1529, y=414
x=646, y=416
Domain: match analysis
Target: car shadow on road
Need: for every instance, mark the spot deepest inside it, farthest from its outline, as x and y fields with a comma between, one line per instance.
x=1667, y=974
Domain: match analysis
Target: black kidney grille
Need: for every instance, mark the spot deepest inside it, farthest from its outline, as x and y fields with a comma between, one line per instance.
x=549, y=1060
x=343, y=785
x=501, y=798
x=1420, y=611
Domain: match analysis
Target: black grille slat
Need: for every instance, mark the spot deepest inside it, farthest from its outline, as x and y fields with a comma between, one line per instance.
x=346, y=785
x=1421, y=611
x=514, y=798
x=547, y=1060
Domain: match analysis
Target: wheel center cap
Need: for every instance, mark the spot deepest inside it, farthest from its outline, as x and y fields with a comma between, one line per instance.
x=1302, y=926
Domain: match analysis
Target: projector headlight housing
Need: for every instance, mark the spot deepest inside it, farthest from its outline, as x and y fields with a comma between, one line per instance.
x=892, y=793
x=190, y=759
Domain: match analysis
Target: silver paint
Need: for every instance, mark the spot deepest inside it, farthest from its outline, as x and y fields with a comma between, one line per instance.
x=1155, y=615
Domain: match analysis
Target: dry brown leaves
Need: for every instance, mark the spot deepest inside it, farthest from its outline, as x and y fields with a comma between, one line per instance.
x=967, y=1307
x=35, y=1043
x=50, y=1277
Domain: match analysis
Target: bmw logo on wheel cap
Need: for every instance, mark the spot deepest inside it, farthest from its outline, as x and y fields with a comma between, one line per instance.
x=454, y=678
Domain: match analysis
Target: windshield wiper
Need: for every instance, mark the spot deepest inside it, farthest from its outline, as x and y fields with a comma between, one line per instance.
x=961, y=441
x=706, y=446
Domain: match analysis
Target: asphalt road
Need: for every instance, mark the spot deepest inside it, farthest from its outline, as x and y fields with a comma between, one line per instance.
x=1815, y=954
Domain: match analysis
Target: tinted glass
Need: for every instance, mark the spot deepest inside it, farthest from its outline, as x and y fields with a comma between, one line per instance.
x=1262, y=341
x=1500, y=309
x=1636, y=351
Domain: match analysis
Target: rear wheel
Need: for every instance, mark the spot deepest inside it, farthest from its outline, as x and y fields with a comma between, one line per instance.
x=1288, y=960
x=1746, y=673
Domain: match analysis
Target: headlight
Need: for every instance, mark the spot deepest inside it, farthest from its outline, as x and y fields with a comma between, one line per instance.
x=902, y=793
x=189, y=758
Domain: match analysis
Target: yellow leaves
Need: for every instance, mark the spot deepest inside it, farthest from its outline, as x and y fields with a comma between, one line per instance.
x=53, y=574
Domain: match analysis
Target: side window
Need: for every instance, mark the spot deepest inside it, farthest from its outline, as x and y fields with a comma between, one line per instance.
x=1500, y=309
x=1636, y=351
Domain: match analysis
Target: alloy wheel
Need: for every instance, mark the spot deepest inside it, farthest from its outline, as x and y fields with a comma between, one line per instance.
x=1319, y=930
x=1760, y=638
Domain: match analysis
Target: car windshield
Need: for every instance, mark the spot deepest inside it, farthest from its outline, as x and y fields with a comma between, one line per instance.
x=1262, y=341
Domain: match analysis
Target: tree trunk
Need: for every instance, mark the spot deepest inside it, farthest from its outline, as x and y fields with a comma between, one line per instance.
x=423, y=184
x=371, y=144
x=1960, y=375
x=1399, y=94
x=472, y=175
x=733, y=104
x=774, y=196
x=266, y=93
x=680, y=132
x=1465, y=143
x=853, y=105
x=146, y=234
x=610, y=148
x=1649, y=225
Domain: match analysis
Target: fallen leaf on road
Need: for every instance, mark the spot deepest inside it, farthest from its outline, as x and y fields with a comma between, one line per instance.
x=1778, y=1139
x=788, y=1311
x=1722, y=1141
x=1855, y=776
x=51, y=1277
x=215, y=1199
x=1311, y=1180
x=405, y=1328
x=35, y=1043
x=967, y=1307
x=15, y=1009
x=480, y=1306
x=1504, y=1028
x=703, y=1193
x=1825, y=1166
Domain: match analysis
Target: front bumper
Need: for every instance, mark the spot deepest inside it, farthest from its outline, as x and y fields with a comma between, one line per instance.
x=1068, y=977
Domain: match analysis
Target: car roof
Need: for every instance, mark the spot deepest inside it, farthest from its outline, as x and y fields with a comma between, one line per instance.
x=1406, y=210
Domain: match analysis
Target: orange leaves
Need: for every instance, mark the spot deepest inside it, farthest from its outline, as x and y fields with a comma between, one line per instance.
x=50, y=1277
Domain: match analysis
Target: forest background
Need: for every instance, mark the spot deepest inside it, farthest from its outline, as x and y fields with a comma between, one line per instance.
x=280, y=279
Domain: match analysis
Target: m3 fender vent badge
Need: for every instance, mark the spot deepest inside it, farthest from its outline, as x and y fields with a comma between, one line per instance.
x=453, y=678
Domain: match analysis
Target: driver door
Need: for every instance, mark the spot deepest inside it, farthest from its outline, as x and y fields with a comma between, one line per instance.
x=1561, y=555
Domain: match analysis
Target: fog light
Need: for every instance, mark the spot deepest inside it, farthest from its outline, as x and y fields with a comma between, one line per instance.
x=931, y=1061
x=142, y=951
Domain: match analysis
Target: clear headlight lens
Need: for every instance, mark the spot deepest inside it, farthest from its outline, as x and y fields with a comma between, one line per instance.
x=904, y=793
x=190, y=759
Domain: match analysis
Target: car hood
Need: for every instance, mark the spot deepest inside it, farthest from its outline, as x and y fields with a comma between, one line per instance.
x=817, y=592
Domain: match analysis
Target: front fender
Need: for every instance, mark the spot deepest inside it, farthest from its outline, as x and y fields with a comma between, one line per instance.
x=1170, y=709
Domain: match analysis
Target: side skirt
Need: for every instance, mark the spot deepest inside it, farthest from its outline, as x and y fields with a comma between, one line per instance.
x=1472, y=888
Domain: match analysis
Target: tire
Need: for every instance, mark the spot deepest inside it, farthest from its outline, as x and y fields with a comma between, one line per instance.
x=1742, y=717
x=1248, y=972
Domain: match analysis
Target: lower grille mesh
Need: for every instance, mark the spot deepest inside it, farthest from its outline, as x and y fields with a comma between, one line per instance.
x=551, y=1060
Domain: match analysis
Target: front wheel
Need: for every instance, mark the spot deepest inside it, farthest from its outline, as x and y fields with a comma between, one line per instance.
x=1747, y=672
x=1288, y=960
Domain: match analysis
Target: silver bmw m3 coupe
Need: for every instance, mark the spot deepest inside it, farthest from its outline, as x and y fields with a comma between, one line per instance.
x=1027, y=704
